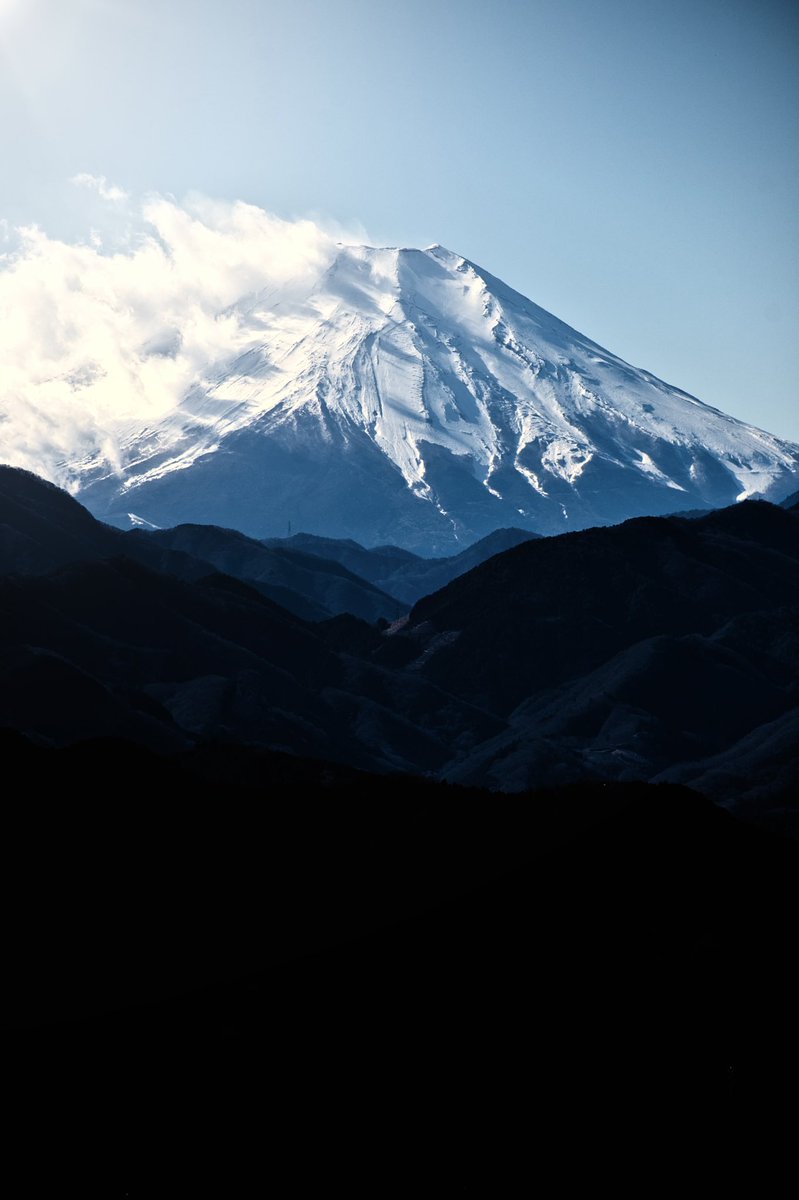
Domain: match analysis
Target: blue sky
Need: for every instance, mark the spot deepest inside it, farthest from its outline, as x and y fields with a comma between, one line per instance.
x=630, y=166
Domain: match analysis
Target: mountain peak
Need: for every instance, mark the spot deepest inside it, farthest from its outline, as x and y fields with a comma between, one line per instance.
x=408, y=396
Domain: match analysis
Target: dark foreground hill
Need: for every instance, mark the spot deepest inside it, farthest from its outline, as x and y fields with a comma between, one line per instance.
x=265, y=947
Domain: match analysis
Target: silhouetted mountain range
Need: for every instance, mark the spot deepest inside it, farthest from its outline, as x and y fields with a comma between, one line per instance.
x=315, y=578
x=660, y=649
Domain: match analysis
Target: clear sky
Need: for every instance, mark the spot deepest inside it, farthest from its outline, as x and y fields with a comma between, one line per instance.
x=631, y=165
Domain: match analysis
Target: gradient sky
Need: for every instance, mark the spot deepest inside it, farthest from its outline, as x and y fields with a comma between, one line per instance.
x=631, y=165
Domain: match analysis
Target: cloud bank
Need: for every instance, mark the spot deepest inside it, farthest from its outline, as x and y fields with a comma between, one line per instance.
x=118, y=328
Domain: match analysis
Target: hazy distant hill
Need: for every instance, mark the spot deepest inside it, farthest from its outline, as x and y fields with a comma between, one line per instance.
x=405, y=575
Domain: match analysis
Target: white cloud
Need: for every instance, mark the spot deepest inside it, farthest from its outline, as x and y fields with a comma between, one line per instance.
x=99, y=183
x=94, y=336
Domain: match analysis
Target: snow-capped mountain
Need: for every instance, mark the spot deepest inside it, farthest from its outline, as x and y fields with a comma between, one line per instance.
x=410, y=397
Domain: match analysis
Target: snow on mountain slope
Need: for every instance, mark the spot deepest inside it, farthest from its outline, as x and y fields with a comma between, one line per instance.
x=410, y=397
